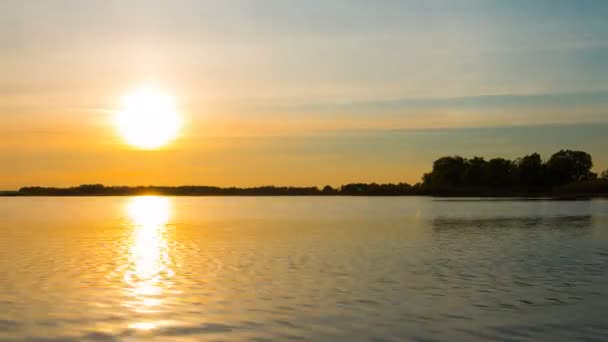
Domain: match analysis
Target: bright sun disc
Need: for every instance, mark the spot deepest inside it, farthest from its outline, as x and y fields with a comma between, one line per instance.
x=148, y=119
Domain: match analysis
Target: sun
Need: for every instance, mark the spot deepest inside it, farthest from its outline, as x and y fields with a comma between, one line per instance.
x=148, y=118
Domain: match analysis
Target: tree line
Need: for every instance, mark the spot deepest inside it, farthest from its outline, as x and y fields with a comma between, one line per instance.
x=528, y=172
x=565, y=173
x=372, y=189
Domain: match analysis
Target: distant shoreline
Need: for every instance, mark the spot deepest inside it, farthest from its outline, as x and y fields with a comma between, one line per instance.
x=577, y=191
x=463, y=197
x=566, y=175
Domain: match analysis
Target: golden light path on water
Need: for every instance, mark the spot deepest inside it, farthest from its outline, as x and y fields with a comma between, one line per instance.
x=149, y=270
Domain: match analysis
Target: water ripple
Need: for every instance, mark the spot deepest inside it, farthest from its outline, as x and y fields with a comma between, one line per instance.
x=301, y=269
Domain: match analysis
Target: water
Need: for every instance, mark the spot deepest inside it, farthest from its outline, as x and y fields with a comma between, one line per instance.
x=333, y=268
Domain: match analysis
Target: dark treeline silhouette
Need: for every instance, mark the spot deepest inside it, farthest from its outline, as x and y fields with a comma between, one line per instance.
x=604, y=175
x=101, y=190
x=566, y=173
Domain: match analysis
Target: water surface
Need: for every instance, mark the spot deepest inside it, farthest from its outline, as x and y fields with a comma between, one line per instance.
x=303, y=268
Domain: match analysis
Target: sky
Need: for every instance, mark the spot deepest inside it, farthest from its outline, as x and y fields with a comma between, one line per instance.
x=298, y=92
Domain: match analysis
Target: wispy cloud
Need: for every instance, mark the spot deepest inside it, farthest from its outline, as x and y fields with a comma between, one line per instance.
x=500, y=101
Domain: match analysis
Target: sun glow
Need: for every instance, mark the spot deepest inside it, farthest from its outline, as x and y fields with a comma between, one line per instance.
x=149, y=250
x=149, y=211
x=148, y=118
x=148, y=272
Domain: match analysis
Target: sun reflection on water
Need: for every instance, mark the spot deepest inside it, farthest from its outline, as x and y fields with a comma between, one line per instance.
x=148, y=273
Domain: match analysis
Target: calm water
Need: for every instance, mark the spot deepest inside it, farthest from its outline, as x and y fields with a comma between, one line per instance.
x=382, y=269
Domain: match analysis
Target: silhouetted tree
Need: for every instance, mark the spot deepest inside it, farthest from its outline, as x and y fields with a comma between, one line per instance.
x=568, y=166
x=373, y=189
x=531, y=171
x=460, y=176
x=476, y=173
x=328, y=190
x=501, y=172
x=447, y=171
x=89, y=188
